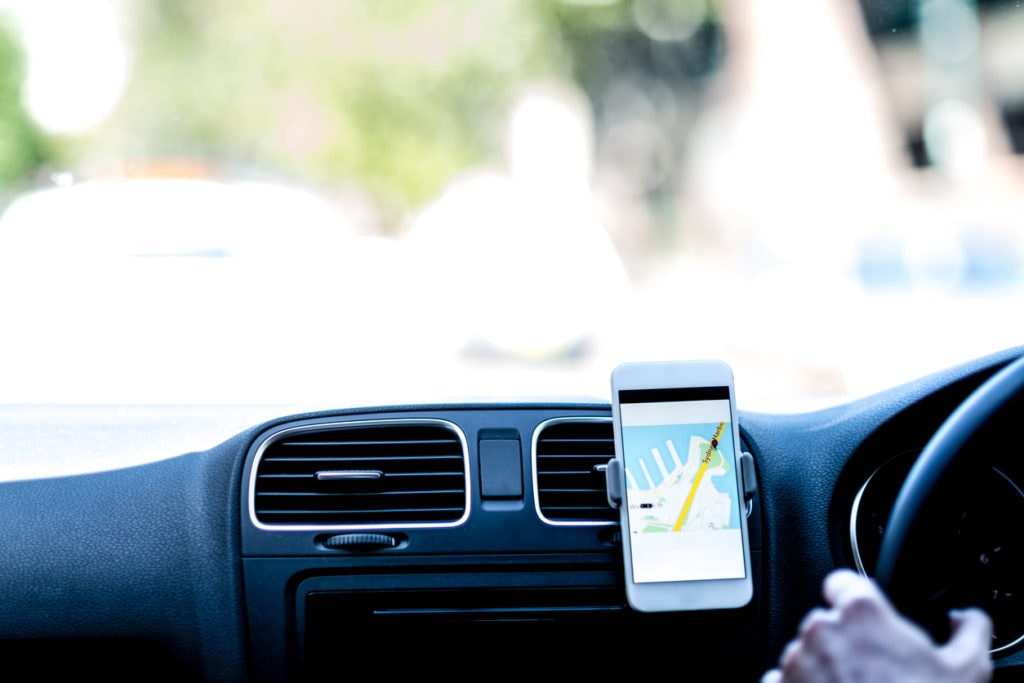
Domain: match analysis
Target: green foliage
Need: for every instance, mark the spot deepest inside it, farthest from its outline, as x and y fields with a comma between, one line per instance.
x=393, y=95
x=22, y=147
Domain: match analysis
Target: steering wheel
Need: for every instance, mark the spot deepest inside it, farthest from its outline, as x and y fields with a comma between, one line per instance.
x=943, y=460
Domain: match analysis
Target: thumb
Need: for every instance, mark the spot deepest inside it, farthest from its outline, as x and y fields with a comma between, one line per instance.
x=971, y=635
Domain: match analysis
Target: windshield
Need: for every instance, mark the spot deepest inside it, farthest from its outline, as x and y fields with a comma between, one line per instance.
x=342, y=203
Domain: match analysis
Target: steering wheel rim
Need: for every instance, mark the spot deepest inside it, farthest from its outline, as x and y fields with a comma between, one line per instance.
x=944, y=452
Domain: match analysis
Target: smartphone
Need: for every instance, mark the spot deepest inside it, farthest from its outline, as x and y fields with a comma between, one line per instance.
x=684, y=527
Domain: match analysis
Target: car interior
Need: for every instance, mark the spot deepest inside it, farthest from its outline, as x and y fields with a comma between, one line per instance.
x=485, y=527
x=309, y=312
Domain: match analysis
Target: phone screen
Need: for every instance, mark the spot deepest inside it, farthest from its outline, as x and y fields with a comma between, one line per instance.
x=683, y=501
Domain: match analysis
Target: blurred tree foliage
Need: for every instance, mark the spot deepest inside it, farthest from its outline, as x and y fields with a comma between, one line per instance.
x=22, y=146
x=395, y=96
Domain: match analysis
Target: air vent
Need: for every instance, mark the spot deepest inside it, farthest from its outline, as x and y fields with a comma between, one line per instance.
x=569, y=455
x=377, y=474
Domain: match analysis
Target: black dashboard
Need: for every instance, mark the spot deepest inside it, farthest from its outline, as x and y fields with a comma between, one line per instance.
x=407, y=538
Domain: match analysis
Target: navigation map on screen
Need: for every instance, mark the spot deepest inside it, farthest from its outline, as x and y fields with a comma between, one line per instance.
x=682, y=495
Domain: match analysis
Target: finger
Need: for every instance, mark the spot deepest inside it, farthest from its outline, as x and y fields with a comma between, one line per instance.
x=790, y=654
x=772, y=676
x=819, y=630
x=804, y=660
x=813, y=618
x=844, y=586
x=967, y=649
x=971, y=631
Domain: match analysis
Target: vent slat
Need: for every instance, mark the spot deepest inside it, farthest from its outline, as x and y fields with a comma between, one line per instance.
x=383, y=511
x=579, y=474
x=394, y=518
x=394, y=458
x=392, y=475
x=368, y=442
x=569, y=489
x=574, y=457
x=422, y=476
x=577, y=440
x=347, y=495
x=292, y=506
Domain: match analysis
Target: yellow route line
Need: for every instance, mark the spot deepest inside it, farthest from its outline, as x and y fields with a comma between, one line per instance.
x=693, y=492
x=696, y=480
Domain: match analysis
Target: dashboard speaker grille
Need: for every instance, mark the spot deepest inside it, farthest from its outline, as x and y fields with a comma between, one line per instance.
x=369, y=475
x=569, y=459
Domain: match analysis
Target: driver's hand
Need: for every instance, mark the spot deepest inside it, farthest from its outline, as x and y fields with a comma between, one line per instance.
x=861, y=637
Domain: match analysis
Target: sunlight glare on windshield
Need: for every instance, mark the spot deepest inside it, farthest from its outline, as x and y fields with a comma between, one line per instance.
x=354, y=202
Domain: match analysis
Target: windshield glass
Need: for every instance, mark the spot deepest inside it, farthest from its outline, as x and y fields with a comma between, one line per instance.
x=340, y=203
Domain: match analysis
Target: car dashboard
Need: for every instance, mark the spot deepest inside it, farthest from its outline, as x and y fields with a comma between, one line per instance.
x=461, y=538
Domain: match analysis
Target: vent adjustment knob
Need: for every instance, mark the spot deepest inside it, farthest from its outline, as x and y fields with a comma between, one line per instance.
x=360, y=542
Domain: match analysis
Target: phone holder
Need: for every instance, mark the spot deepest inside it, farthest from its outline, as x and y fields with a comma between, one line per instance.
x=614, y=479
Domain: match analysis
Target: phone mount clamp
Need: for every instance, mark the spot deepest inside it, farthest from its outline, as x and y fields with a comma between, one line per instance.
x=614, y=481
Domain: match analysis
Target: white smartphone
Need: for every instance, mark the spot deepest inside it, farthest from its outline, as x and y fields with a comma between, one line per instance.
x=684, y=527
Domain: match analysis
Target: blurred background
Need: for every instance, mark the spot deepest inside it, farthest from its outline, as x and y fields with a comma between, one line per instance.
x=341, y=202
